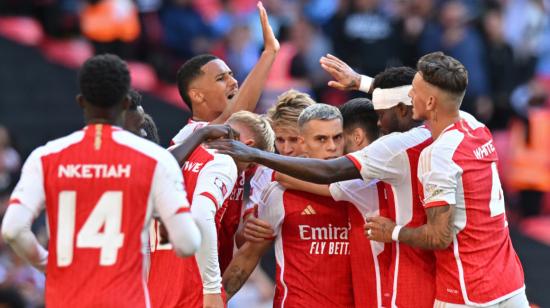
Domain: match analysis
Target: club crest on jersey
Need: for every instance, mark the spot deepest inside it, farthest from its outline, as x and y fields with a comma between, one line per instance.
x=433, y=191
x=221, y=185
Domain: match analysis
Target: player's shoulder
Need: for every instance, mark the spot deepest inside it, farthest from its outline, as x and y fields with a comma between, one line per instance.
x=187, y=130
x=272, y=193
x=143, y=146
x=400, y=141
x=59, y=144
x=263, y=174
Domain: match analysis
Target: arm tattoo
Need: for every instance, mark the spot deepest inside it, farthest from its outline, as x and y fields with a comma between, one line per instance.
x=352, y=84
x=436, y=234
x=236, y=278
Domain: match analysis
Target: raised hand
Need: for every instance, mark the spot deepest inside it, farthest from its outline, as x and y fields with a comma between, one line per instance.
x=345, y=78
x=270, y=41
x=233, y=148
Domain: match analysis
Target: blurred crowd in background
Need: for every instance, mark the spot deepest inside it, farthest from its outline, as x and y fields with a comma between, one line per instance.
x=504, y=44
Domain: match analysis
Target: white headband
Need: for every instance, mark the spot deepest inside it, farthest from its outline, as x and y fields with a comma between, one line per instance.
x=387, y=98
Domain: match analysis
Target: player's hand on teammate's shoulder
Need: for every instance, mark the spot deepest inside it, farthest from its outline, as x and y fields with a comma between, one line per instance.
x=257, y=230
x=379, y=229
x=271, y=43
x=234, y=148
x=345, y=78
x=212, y=132
x=213, y=301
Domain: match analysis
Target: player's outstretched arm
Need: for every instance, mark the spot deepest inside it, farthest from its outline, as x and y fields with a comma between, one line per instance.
x=437, y=233
x=182, y=150
x=16, y=231
x=243, y=264
x=345, y=78
x=251, y=89
x=293, y=183
x=307, y=169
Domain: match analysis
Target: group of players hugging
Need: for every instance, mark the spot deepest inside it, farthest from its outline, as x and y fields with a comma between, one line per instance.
x=394, y=202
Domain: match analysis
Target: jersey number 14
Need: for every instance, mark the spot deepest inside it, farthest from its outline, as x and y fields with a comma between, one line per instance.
x=101, y=229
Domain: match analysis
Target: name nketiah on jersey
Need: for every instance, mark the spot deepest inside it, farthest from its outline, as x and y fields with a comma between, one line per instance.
x=90, y=171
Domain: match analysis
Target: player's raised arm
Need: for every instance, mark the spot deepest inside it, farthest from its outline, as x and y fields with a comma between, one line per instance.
x=345, y=78
x=251, y=89
x=26, y=202
x=307, y=169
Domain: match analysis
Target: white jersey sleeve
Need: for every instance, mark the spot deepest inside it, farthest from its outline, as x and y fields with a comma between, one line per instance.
x=261, y=180
x=29, y=191
x=271, y=208
x=217, y=179
x=167, y=189
x=26, y=202
x=438, y=174
x=214, y=184
x=170, y=202
x=364, y=196
x=382, y=160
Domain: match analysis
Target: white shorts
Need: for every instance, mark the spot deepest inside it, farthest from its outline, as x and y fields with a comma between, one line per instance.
x=517, y=301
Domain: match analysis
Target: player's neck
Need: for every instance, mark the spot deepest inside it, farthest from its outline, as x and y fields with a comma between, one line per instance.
x=438, y=123
x=204, y=115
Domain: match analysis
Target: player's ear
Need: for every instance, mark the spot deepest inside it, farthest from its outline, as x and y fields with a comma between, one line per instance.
x=431, y=103
x=126, y=102
x=196, y=95
x=250, y=142
x=357, y=135
x=80, y=100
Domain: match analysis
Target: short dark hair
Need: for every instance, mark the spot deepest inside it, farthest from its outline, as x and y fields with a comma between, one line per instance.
x=104, y=80
x=135, y=99
x=188, y=72
x=359, y=112
x=394, y=77
x=149, y=129
x=444, y=72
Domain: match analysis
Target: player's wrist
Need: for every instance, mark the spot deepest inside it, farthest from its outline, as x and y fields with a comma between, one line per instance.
x=395, y=233
x=365, y=83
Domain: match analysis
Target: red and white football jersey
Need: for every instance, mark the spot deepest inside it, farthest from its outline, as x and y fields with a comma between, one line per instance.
x=370, y=260
x=175, y=282
x=394, y=160
x=311, y=248
x=187, y=130
x=480, y=267
x=100, y=187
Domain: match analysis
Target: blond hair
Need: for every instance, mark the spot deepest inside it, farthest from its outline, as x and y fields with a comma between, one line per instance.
x=289, y=105
x=264, y=137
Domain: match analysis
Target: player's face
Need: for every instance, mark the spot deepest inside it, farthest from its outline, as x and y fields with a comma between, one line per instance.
x=419, y=95
x=286, y=141
x=387, y=120
x=217, y=85
x=323, y=139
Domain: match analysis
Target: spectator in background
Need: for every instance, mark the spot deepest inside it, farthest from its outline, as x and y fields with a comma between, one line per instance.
x=364, y=36
x=240, y=52
x=185, y=32
x=454, y=36
x=310, y=45
x=524, y=23
x=111, y=25
x=500, y=68
x=10, y=162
